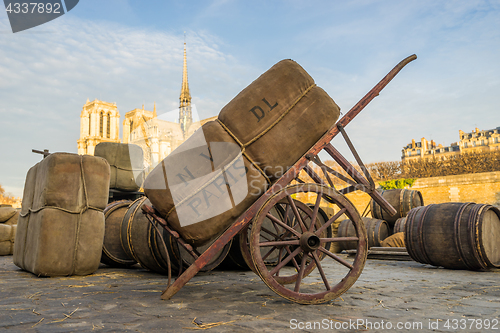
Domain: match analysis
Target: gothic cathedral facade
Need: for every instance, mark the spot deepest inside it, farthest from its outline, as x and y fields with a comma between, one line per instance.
x=158, y=137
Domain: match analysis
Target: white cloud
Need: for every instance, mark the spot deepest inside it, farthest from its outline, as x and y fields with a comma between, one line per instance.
x=46, y=78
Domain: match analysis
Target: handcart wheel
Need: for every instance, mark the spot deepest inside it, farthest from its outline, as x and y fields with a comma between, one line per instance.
x=307, y=242
x=273, y=232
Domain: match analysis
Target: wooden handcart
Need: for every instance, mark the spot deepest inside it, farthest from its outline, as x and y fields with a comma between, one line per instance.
x=290, y=251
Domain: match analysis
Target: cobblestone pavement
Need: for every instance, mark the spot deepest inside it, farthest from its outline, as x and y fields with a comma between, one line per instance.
x=396, y=293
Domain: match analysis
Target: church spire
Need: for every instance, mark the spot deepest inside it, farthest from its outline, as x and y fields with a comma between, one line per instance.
x=185, y=116
x=185, y=98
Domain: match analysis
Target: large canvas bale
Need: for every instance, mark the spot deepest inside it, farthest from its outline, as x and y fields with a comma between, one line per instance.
x=279, y=116
x=61, y=225
x=7, y=238
x=126, y=162
x=6, y=213
x=204, y=185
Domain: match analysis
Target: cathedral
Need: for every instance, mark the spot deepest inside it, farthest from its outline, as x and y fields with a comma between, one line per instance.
x=156, y=135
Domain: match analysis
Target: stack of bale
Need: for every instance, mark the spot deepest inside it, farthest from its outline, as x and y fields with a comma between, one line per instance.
x=61, y=226
x=213, y=177
x=8, y=226
x=204, y=185
x=126, y=163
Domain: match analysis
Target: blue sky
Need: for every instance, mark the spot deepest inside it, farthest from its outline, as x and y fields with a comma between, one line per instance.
x=130, y=52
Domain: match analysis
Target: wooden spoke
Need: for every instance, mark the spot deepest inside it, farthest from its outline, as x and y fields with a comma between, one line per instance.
x=301, y=273
x=274, y=219
x=338, y=239
x=287, y=248
x=274, y=248
x=337, y=258
x=270, y=232
x=296, y=213
x=330, y=221
x=284, y=262
x=321, y=271
x=280, y=243
x=315, y=211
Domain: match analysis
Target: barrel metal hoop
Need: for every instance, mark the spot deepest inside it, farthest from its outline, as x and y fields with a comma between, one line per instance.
x=409, y=235
x=420, y=237
x=138, y=204
x=460, y=243
x=152, y=243
x=402, y=202
x=378, y=208
x=483, y=253
x=474, y=227
x=107, y=211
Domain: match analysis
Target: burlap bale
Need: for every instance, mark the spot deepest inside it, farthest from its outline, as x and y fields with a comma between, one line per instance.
x=61, y=225
x=13, y=219
x=126, y=163
x=204, y=185
x=396, y=240
x=6, y=213
x=7, y=238
x=279, y=117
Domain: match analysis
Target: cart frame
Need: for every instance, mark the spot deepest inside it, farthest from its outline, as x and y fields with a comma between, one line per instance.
x=359, y=181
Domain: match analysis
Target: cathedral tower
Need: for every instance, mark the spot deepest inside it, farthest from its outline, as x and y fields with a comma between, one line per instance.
x=185, y=115
x=99, y=122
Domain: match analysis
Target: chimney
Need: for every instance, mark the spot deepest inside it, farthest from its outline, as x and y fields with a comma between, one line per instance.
x=424, y=144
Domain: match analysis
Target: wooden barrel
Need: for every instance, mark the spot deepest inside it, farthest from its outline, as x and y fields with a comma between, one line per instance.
x=402, y=200
x=399, y=226
x=377, y=231
x=187, y=259
x=234, y=259
x=112, y=249
x=454, y=235
x=141, y=241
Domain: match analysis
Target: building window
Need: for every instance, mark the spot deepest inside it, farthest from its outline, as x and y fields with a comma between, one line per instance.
x=473, y=143
x=465, y=144
x=496, y=140
x=482, y=142
x=90, y=124
x=418, y=151
x=101, y=123
x=108, y=126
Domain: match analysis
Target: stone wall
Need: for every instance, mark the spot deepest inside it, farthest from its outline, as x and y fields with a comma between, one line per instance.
x=475, y=187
